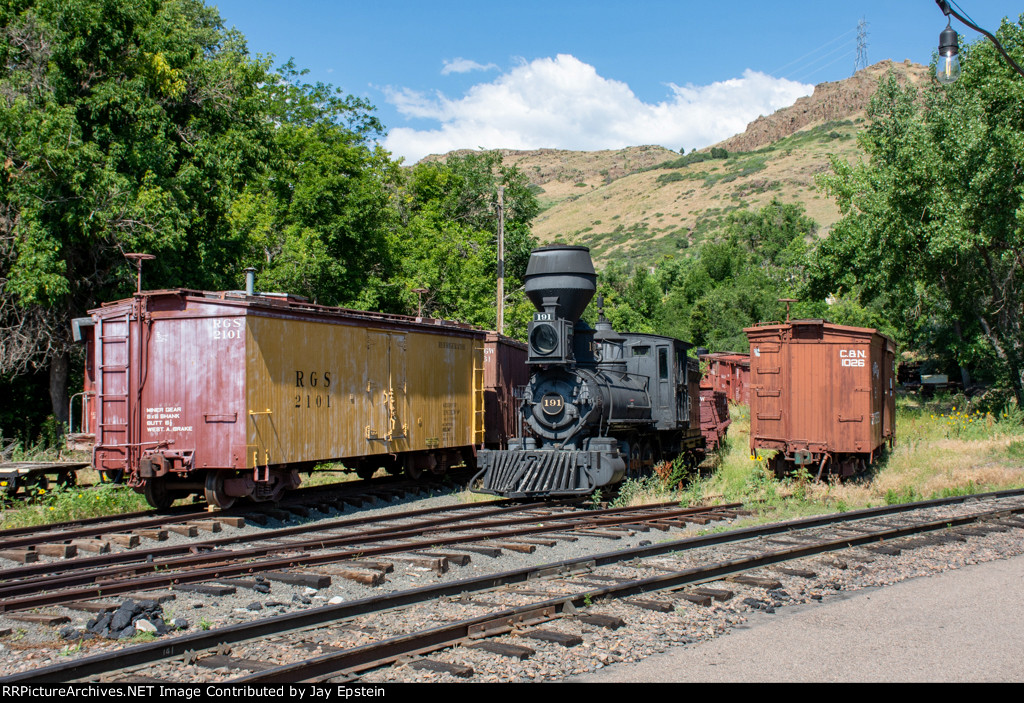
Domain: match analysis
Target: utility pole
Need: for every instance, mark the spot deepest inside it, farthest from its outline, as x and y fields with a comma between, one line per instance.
x=501, y=260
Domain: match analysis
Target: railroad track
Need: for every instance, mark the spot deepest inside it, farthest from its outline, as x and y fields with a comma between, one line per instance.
x=300, y=504
x=513, y=613
x=490, y=526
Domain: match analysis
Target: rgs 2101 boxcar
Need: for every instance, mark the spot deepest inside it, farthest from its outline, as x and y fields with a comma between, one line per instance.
x=821, y=395
x=232, y=394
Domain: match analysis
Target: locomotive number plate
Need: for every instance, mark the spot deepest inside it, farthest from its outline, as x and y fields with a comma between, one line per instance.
x=543, y=317
x=552, y=403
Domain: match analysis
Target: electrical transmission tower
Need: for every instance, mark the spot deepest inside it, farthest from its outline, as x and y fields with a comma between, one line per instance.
x=862, y=46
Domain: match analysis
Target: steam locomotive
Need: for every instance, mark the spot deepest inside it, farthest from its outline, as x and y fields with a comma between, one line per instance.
x=600, y=405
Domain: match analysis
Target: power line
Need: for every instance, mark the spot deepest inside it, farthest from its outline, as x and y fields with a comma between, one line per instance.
x=810, y=53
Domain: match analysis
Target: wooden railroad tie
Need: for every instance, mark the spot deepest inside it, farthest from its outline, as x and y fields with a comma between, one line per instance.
x=130, y=541
x=459, y=670
x=608, y=622
x=300, y=578
x=563, y=638
x=92, y=545
x=758, y=581
x=511, y=651
x=658, y=606
x=367, y=577
x=65, y=551
x=22, y=556
x=184, y=530
x=719, y=594
x=802, y=573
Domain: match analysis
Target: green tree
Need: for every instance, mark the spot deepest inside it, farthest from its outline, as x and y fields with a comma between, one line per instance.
x=127, y=125
x=933, y=221
x=446, y=238
x=316, y=218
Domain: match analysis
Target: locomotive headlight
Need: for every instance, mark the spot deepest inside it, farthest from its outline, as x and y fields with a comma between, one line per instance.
x=544, y=339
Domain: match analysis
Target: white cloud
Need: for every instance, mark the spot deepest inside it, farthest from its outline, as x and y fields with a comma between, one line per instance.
x=461, y=65
x=563, y=103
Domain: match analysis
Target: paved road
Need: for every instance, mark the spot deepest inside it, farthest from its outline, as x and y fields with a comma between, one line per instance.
x=961, y=625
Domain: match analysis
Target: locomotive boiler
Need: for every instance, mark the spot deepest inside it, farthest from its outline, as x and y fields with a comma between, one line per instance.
x=600, y=405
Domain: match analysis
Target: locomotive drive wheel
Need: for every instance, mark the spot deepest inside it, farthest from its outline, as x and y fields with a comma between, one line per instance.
x=214, y=491
x=157, y=494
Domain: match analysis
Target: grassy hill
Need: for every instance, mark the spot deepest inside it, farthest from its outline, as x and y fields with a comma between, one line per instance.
x=645, y=202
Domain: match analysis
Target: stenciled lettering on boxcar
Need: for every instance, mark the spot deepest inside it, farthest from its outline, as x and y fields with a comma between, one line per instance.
x=162, y=420
x=227, y=329
x=450, y=345
x=316, y=385
x=449, y=417
x=852, y=357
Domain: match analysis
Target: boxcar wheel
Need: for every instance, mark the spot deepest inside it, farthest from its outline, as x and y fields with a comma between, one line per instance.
x=214, y=491
x=67, y=479
x=366, y=472
x=157, y=494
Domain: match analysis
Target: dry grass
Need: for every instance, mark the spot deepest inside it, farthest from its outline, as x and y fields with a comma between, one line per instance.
x=939, y=452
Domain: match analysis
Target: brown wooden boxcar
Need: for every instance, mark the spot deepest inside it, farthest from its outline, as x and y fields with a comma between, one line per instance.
x=821, y=395
x=232, y=394
x=729, y=372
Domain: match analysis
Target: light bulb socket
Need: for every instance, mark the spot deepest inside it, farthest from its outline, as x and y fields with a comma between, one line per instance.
x=949, y=44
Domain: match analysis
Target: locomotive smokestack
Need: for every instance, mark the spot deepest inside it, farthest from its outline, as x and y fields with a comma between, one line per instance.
x=250, y=281
x=563, y=277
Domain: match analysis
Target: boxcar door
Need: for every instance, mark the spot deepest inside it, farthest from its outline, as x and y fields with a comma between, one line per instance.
x=766, y=405
x=377, y=390
x=398, y=411
x=386, y=389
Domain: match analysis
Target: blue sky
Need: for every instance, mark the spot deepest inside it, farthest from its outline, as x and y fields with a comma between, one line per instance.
x=585, y=75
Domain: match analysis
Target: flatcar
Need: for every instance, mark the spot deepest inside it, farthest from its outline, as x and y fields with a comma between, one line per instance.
x=600, y=405
x=822, y=395
x=232, y=394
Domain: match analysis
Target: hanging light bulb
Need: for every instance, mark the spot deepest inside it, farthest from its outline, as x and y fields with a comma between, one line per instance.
x=947, y=70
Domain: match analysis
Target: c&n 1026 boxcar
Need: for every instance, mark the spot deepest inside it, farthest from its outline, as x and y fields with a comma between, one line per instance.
x=231, y=394
x=821, y=395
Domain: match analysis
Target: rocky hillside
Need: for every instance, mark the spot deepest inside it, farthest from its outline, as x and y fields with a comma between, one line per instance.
x=642, y=203
x=830, y=101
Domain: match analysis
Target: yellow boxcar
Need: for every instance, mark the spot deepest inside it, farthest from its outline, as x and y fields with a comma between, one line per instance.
x=233, y=394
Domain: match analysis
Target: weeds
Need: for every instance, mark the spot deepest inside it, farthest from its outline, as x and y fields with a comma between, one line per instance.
x=63, y=504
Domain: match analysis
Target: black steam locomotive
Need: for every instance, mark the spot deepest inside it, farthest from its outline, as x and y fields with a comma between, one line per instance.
x=600, y=405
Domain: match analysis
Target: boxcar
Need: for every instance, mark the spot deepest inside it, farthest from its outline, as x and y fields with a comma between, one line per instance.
x=232, y=394
x=822, y=395
x=729, y=372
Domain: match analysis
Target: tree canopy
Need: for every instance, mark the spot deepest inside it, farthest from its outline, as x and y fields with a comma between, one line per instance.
x=128, y=125
x=146, y=126
x=932, y=222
